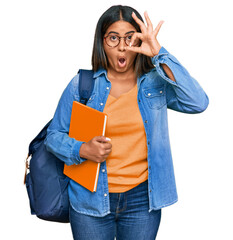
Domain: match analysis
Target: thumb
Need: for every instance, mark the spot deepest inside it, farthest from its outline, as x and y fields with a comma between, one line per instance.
x=102, y=139
x=133, y=49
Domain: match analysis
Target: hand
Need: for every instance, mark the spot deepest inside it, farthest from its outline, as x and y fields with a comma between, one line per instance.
x=150, y=45
x=96, y=150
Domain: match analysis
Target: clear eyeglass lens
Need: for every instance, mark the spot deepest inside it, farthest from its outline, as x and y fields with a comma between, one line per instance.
x=128, y=39
x=113, y=40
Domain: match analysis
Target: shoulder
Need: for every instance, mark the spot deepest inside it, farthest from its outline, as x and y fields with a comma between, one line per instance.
x=74, y=81
x=72, y=86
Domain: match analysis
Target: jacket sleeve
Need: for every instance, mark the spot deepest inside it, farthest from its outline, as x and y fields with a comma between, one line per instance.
x=57, y=140
x=185, y=94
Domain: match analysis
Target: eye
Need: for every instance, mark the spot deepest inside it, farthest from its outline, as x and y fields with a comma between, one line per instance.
x=128, y=38
x=113, y=38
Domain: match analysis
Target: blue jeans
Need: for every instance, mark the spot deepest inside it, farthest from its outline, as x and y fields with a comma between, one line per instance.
x=129, y=218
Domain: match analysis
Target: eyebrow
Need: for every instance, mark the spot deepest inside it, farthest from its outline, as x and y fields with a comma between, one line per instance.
x=119, y=34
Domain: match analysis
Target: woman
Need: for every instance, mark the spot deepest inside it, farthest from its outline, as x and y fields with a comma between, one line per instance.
x=136, y=80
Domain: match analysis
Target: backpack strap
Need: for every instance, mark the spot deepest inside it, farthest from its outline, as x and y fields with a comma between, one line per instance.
x=86, y=85
x=35, y=143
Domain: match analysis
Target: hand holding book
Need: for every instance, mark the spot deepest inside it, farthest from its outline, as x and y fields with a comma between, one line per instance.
x=88, y=126
x=96, y=150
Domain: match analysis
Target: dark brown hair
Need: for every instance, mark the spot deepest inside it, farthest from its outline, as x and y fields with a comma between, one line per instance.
x=143, y=64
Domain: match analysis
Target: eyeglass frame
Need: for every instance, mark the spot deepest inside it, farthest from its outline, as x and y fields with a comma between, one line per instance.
x=119, y=38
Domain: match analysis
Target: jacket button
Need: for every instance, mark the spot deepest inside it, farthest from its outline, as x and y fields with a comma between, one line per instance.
x=107, y=88
x=161, y=91
x=103, y=170
x=146, y=121
x=101, y=104
x=148, y=142
x=105, y=194
x=149, y=94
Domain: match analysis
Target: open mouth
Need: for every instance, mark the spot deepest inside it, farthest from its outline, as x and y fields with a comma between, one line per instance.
x=122, y=62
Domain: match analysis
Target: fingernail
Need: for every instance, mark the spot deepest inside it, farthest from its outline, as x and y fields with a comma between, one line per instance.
x=130, y=44
x=133, y=13
x=108, y=139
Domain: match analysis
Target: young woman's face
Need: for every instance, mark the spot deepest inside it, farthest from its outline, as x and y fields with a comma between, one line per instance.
x=119, y=59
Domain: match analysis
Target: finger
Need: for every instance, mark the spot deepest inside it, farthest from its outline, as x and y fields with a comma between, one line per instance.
x=156, y=31
x=102, y=139
x=134, y=49
x=139, y=22
x=107, y=152
x=107, y=146
x=136, y=39
x=148, y=21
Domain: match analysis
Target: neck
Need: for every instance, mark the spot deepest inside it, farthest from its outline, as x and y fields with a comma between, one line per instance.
x=122, y=77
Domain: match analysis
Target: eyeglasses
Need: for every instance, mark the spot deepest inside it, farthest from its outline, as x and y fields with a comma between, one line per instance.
x=113, y=40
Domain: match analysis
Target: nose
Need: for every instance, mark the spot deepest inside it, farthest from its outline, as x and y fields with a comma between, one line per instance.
x=121, y=46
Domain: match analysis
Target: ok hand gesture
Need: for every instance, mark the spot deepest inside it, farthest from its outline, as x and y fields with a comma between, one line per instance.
x=150, y=45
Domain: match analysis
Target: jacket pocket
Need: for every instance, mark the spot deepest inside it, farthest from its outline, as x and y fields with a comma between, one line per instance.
x=155, y=96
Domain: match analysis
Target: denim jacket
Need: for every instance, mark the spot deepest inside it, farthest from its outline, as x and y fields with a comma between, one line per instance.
x=156, y=93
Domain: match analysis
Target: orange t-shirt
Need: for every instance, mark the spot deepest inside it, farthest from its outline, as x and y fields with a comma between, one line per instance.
x=127, y=163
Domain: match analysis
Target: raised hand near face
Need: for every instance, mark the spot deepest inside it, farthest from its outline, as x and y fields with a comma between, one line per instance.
x=149, y=43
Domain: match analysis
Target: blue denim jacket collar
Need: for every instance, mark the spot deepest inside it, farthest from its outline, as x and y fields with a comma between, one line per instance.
x=101, y=71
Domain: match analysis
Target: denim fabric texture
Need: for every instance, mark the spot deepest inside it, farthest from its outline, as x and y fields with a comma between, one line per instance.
x=156, y=94
x=129, y=218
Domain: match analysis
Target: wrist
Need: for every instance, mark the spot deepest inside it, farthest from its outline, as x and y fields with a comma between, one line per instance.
x=82, y=151
x=156, y=50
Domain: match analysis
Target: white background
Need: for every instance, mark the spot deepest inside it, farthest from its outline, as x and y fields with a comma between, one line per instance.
x=43, y=44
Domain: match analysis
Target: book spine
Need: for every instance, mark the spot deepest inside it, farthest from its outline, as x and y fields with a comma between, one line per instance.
x=105, y=122
x=98, y=167
x=97, y=177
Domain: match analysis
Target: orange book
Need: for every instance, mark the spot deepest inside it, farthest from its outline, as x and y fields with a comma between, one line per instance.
x=85, y=123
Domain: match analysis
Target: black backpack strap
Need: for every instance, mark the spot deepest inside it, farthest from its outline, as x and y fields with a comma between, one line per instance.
x=86, y=85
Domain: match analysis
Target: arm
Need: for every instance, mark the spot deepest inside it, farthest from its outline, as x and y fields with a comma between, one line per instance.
x=68, y=149
x=183, y=92
x=168, y=72
x=57, y=140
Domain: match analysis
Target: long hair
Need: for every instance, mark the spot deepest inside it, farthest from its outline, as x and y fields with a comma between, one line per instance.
x=142, y=64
